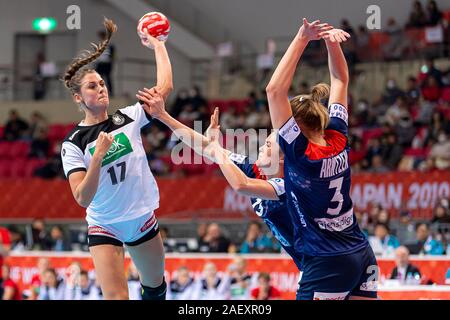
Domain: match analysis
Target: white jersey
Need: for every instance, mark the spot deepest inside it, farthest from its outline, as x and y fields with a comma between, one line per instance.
x=126, y=188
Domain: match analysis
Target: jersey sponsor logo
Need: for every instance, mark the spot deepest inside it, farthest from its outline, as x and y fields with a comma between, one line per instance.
x=330, y=295
x=117, y=119
x=73, y=135
x=63, y=152
x=149, y=223
x=297, y=208
x=278, y=185
x=290, y=131
x=369, y=286
x=238, y=158
x=336, y=224
x=96, y=230
x=120, y=147
x=338, y=111
x=335, y=165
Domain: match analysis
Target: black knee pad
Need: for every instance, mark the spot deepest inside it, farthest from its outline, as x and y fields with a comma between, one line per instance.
x=158, y=293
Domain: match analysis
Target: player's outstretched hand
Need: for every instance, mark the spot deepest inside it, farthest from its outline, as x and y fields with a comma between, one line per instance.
x=104, y=142
x=153, y=102
x=149, y=41
x=335, y=35
x=213, y=131
x=311, y=31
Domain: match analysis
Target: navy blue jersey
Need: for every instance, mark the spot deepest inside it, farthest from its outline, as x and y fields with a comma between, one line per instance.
x=317, y=181
x=274, y=213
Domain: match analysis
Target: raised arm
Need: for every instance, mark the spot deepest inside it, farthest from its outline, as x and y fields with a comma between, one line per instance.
x=238, y=180
x=338, y=66
x=278, y=87
x=164, y=81
x=154, y=105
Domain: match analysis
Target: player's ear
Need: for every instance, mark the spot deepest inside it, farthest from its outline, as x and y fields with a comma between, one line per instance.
x=77, y=98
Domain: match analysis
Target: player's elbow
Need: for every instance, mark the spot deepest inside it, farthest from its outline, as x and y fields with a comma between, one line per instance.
x=240, y=187
x=82, y=201
x=272, y=90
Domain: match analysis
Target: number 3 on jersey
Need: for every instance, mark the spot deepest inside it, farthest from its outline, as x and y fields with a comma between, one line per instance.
x=112, y=172
x=338, y=197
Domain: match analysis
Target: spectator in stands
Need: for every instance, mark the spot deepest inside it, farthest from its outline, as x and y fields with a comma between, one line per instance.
x=417, y=17
x=349, y=47
x=264, y=290
x=397, y=110
x=428, y=69
x=256, y=241
x=438, y=124
x=404, y=129
x=196, y=98
x=404, y=271
x=214, y=241
x=431, y=90
x=15, y=128
x=17, y=239
x=240, y=281
x=72, y=281
x=434, y=15
x=425, y=244
x=440, y=152
x=87, y=288
x=58, y=241
x=210, y=286
x=362, y=44
x=441, y=215
x=39, y=79
x=37, y=123
x=392, y=151
x=53, y=168
x=188, y=115
x=377, y=165
x=383, y=243
x=39, y=237
x=5, y=248
x=181, y=286
x=181, y=99
x=40, y=145
x=43, y=264
x=396, y=45
x=51, y=288
x=392, y=92
x=9, y=288
x=412, y=91
x=105, y=62
x=373, y=149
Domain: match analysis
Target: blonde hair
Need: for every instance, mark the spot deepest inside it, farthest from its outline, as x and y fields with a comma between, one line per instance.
x=309, y=110
x=73, y=75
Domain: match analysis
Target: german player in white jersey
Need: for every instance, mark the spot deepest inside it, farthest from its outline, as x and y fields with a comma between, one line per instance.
x=105, y=163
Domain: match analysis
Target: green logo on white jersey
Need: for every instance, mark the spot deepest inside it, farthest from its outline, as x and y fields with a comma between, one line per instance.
x=121, y=146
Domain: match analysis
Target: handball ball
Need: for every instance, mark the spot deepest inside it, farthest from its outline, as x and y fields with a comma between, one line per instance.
x=156, y=24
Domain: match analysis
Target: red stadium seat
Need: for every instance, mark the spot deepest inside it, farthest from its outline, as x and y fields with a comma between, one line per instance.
x=56, y=132
x=5, y=168
x=19, y=149
x=32, y=165
x=446, y=94
x=4, y=149
x=17, y=168
x=1, y=132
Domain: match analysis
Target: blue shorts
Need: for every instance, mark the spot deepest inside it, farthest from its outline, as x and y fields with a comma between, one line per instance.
x=338, y=277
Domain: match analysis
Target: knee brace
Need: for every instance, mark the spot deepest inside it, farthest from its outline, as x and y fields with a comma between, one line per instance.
x=158, y=293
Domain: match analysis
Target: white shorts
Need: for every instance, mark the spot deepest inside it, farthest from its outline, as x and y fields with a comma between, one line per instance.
x=131, y=232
